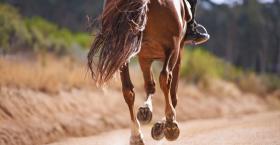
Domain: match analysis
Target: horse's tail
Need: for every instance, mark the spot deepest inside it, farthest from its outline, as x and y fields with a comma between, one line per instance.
x=123, y=23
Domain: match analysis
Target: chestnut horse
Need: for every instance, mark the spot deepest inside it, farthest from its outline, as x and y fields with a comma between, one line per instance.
x=153, y=30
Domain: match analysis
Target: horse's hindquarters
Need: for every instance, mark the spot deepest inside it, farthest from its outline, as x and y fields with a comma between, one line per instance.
x=165, y=18
x=165, y=27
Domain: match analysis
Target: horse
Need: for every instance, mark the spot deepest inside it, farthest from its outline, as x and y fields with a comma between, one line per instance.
x=154, y=30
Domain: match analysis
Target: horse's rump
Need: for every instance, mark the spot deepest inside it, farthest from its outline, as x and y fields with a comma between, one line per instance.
x=122, y=24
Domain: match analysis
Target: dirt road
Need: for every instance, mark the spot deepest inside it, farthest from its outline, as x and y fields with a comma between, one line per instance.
x=258, y=129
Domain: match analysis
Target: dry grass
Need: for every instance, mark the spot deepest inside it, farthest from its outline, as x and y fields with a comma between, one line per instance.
x=254, y=84
x=46, y=74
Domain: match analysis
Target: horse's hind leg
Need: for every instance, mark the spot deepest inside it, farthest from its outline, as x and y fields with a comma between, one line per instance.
x=144, y=114
x=158, y=128
x=174, y=83
x=129, y=96
x=171, y=129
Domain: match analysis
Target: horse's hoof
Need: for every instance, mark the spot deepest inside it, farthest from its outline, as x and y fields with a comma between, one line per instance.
x=171, y=131
x=136, y=140
x=158, y=130
x=145, y=115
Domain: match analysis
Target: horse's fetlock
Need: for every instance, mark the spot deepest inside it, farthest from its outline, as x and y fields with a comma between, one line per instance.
x=150, y=87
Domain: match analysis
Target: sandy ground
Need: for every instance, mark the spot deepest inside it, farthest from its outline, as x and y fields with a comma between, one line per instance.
x=29, y=117
x=258, y=129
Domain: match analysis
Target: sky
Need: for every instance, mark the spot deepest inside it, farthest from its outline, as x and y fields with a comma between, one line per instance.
x=231, y=1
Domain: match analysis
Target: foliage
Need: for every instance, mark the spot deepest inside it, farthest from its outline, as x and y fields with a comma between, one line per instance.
x=12, y=31
x=66, y=13
x=36, y=34
x=258, y=84
x=83, y=39
x=200, y=64
x=271, y=81
x=245, y=34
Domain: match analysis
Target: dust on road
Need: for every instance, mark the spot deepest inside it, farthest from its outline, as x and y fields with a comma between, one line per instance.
x=258, y=129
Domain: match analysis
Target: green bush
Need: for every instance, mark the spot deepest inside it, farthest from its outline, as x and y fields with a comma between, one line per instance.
x=200, y=64
x=13, y=33
x=48, y=36
x=36, y=34
x=83, y=40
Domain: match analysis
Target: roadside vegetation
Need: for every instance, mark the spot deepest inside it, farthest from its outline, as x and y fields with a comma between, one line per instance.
x=201, y=66
x=53, y=47
x=19, y=34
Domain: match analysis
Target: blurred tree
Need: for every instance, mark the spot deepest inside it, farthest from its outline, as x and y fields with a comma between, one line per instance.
x=69, y=13
x=245, y=34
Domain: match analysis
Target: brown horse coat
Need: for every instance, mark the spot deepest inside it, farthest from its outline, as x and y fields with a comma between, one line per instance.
x=155, y=30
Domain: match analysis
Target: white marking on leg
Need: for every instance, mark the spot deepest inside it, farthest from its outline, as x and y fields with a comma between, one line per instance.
x=148, y=102
x=135, y=128
x=136, y=134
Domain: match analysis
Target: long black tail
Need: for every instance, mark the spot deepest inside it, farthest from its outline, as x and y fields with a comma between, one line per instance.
x=123, y=23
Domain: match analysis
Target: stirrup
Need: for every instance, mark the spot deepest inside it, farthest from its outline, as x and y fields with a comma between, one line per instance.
x=202, y=27
x=190, y=42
